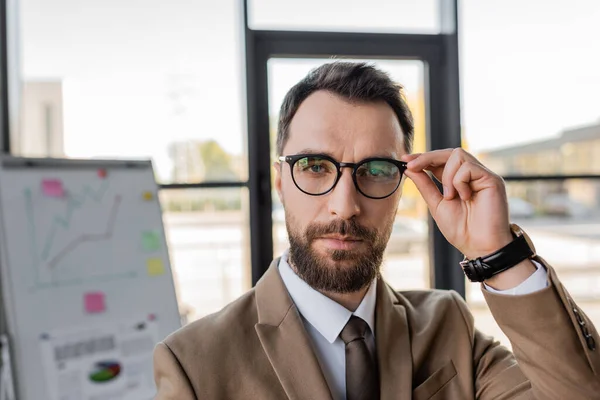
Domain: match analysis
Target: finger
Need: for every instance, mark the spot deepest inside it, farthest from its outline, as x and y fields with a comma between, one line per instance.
x=452, y=166
x=436, y=172
x=473, y=177
x=427, y=188
x=461, y=181
x=438, y=164
x=436, y=158
x=409, y=157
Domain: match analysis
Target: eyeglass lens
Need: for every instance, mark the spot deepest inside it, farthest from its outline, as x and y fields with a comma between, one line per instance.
x=317, y=175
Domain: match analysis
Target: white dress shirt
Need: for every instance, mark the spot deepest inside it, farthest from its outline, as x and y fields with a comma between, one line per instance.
x=324, y=320
x=537, y=281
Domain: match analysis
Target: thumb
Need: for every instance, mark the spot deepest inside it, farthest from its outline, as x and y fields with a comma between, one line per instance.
x=427, y=188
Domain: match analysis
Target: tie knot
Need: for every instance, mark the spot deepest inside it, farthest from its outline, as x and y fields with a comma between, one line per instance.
x=355, y=329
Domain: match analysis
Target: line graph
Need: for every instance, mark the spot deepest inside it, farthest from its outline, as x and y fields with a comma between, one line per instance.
x=107, y=235
x=63, y=231
x=74, y=202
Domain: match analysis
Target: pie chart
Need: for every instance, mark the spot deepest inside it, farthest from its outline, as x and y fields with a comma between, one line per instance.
x=105, y=371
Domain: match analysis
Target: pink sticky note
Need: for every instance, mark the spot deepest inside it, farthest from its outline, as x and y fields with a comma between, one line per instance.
x=94, y=302
x=53, y=188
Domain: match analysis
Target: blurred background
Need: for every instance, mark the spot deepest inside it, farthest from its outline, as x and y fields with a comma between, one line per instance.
x=196, y=85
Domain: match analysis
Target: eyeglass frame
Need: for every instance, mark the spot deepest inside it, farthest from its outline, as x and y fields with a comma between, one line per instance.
x=293, y=159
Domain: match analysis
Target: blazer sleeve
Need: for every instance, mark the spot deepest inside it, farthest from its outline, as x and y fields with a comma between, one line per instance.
x=172, y=383
x=555, y=345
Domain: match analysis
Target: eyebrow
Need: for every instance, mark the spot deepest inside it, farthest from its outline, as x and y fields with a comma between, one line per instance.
x=315, y=152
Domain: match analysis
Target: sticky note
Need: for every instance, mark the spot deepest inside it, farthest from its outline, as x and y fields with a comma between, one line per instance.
x=148, y=196
x=102, y=173
x=150, y=240
x=155, y=267
x=53, y=188
x=94, y=302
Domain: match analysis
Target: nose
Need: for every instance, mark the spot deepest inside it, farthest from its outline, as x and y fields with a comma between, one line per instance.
x=344, y=198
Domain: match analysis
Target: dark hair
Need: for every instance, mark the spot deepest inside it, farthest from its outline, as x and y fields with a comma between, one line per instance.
x=353, y=81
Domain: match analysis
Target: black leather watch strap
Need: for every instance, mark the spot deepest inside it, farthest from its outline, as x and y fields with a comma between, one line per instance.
x=483, y=268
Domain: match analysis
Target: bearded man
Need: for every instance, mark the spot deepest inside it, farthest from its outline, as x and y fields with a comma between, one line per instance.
x=323, y=324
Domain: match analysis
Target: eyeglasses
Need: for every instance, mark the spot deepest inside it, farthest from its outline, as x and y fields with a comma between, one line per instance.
x=317, y=174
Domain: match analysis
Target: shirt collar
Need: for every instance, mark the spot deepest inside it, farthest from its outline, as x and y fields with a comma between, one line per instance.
x=327, y=316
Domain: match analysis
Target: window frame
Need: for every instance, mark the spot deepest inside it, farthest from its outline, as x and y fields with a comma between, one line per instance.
x=439, y=52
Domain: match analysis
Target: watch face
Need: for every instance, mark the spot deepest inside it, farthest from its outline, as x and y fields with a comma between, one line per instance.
x=517, y=230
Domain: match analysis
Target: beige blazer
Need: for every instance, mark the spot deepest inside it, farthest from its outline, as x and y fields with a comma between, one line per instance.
x=427, y=347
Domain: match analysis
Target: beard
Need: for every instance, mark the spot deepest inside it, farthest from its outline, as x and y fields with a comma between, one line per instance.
x=340, y=271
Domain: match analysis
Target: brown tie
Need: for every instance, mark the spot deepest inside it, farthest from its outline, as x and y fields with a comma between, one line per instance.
x=361, y=371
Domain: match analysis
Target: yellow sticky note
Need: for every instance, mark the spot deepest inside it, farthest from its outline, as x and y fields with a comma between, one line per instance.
x=155, y=267
x=148, y=196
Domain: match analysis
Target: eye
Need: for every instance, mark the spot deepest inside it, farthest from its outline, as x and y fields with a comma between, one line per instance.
x=315, y=165
x=377, y=169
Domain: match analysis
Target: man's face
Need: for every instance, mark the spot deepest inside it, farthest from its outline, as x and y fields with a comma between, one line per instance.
x=337, y=240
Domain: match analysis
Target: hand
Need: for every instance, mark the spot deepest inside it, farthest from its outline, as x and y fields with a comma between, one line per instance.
x=472, y=214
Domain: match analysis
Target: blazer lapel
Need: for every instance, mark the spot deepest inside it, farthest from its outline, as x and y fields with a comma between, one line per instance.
x=285, y=341
x=393, y=345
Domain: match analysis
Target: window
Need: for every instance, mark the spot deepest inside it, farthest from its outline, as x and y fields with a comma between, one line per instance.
x=530, y=78
x=104, y=79
x=124, y=86
x=416, y=16
x=530, y=75
x=209, y=243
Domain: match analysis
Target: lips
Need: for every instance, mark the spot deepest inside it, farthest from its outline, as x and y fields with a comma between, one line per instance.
x=342, y=238
x=340, y=235
x=340, y=242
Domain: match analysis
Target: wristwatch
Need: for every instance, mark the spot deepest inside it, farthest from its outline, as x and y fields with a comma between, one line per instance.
x=482, y=268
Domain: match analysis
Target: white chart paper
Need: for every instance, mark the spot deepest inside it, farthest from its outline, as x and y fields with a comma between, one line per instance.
x=100, y=363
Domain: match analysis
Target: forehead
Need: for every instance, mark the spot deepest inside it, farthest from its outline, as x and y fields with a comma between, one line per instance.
x=331, y=124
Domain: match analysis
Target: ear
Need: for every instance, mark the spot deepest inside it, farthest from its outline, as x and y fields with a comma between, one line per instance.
x=278, y=167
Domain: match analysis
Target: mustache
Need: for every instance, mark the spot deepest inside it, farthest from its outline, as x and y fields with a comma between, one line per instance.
x=341, y=227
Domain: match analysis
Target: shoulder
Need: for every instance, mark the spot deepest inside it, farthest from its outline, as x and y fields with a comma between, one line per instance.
x=219, y=346
x=215, y=332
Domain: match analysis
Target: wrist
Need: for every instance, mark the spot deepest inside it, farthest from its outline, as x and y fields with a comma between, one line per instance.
x=513, y=256
x=493, y=248
x=513, y=277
